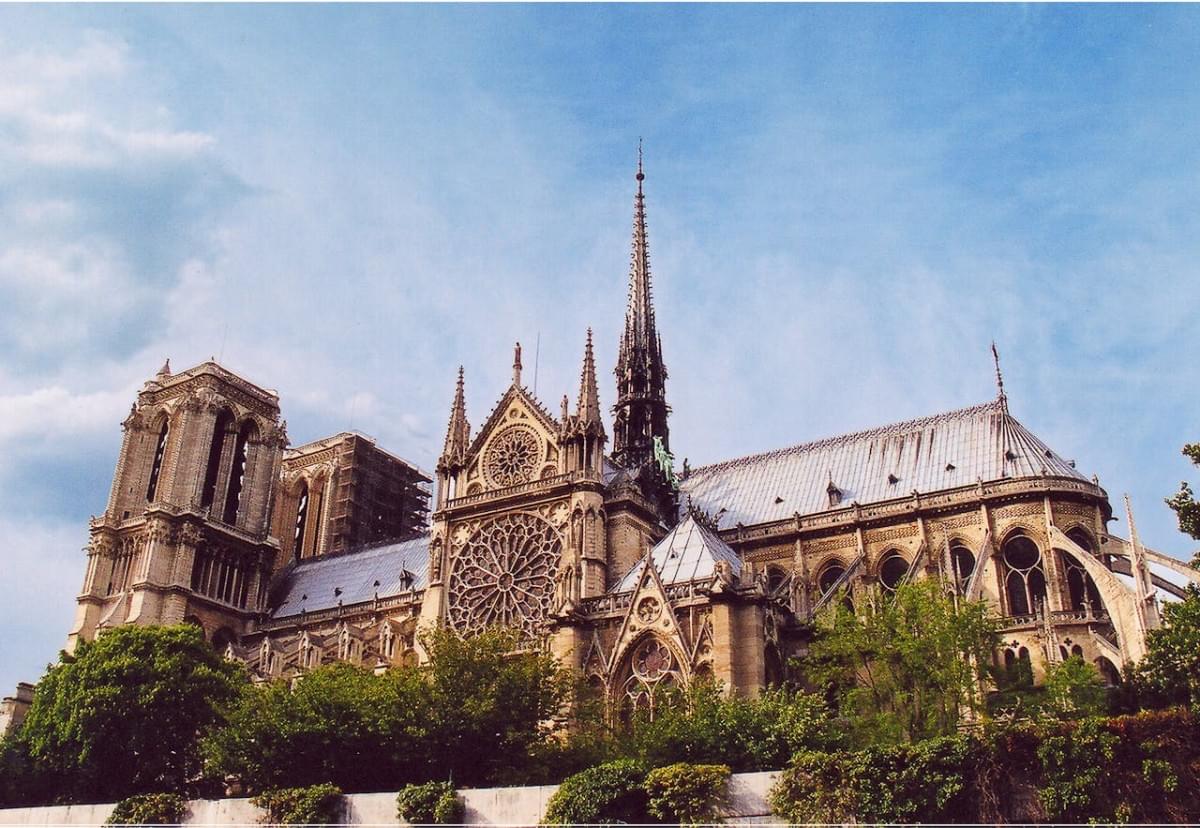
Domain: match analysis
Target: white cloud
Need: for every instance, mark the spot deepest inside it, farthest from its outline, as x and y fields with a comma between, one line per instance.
x=54, y=413
x=48, y=558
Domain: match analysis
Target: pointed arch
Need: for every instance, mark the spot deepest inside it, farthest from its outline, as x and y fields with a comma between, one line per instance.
x=162, y=427
x=212, y=469
x=247, y=433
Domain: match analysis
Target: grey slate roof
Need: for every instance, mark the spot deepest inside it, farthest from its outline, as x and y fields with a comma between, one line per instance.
x=956, y=448
x=310, y=585
x=689, y=552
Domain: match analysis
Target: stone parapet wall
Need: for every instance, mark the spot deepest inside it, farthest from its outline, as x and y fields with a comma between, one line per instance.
x=522, y=806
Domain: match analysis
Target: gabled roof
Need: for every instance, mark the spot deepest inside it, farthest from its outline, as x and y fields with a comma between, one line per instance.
x=312, y=585
x=514, y=392
x=957, y=448
x=688, y=553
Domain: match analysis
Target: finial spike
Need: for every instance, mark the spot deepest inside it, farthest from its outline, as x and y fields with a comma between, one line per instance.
x=458, y=431
x=517, y=365
x=1000, y=395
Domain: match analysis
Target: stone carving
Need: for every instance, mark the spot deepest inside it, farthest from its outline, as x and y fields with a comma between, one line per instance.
x=512, y=457
x=505, y=575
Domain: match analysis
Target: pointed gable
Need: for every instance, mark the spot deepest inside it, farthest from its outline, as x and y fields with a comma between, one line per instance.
x=689, y=552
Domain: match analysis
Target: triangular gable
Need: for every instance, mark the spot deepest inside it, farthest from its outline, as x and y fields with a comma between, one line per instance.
x=650, y=610
x=515, y=393
x=595, y=661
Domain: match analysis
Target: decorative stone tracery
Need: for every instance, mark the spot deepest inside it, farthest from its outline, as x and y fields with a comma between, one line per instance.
x=513, y=456
x=504, y=575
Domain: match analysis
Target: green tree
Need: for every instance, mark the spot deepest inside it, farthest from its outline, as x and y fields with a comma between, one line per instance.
x=1170, y=670
x=701, y=725
x=903, y=667
x=1184, y=502
x=338, y=723
x=477, y=712
x=1073, y=690
x=124, y=714
x=488, y=706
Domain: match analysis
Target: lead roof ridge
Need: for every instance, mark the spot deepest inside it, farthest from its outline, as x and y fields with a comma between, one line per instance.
x=991, y=406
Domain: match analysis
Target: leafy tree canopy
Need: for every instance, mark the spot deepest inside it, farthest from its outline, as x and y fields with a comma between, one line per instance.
x=1184, y=502
x=476, y=713
x=903, y=667
x=121, y=715
x=1170, y=670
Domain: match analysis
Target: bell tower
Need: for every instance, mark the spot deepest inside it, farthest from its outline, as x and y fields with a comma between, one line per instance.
x=185, y=536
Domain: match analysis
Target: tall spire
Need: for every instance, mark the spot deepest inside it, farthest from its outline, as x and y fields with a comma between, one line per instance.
x=458, y=432
x=588, y=409
x=641, y=408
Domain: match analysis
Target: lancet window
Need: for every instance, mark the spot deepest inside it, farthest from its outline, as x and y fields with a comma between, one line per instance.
x=1025, y=580
x=160, y=451
x=1081, y=589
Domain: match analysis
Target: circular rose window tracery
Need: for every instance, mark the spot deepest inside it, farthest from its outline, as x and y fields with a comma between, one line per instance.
x=504, y=575
x=513, y=456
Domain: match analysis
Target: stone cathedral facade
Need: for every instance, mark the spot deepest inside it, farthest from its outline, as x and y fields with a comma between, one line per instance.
x=637, y=574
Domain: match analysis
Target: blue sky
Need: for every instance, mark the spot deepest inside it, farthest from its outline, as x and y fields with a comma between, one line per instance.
x=846, y=205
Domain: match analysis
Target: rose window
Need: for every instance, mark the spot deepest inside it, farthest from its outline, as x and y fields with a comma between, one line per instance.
x=513, y=456
x=648, y=610
x=652, y=660
x=504, y=575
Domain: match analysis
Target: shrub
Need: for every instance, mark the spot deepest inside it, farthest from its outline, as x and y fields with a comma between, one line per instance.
x=1143, y=768
x=688, y=794
x=449, y=809
x=606, y=794
x=149, y=809
x=927, y=781
x=433, y=803
x=702, y=725
x=313, y=805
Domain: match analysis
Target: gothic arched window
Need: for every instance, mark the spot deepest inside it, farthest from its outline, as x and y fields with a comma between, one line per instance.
x=892, y=571
x=829, y=576
x=1081, y=589
x=160, y=451
x=963, y=561
x=237, y=473
x=652, y=673
x=212, y=469
x=1025, y=581
x=301, y=522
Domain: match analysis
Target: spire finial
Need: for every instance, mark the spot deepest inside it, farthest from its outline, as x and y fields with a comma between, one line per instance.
x=517, y=365
x=458, y=431
x=588, y=409
x=640, y=175
x=1000, y=395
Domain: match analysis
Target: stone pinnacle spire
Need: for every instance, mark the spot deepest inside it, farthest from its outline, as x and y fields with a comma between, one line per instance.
x=588, y=409
x=458, y=432
x=641, y=408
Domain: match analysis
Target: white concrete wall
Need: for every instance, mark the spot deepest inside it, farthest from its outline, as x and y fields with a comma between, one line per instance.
x=484, y=806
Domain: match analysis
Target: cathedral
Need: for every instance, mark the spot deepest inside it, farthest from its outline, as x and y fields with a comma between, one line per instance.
x=637, y=574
